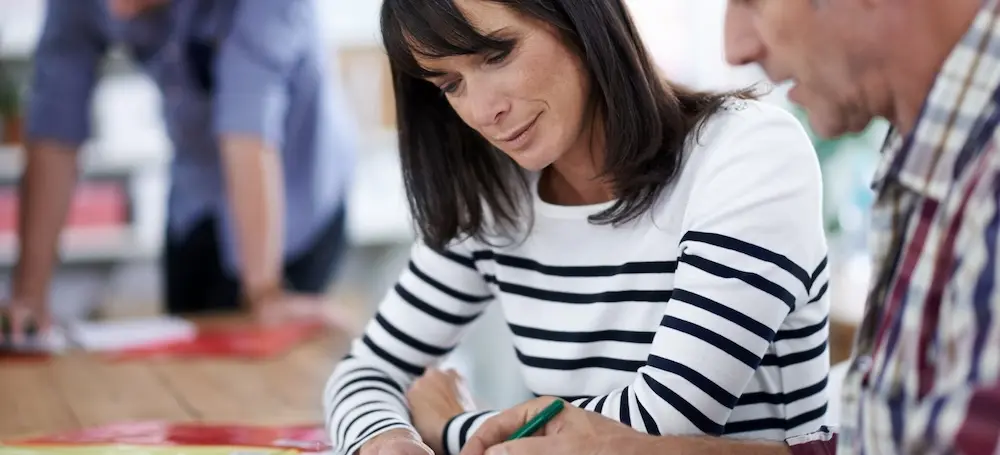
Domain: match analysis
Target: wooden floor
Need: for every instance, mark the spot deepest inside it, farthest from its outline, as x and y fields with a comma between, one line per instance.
x=78, y=391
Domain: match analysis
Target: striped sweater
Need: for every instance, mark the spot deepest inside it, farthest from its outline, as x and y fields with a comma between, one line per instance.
x=708, y=315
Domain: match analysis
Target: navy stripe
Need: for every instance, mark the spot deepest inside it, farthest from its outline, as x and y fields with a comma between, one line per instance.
x=624, y=413
x=568, y=297
x=722, y=343
x=371, y=388
x=579, y=364
x=575, y=270
x=378, y=374
x=447, y=431
x=732, y=315
x=337, y=399
x=749, y=249
x=703, y=383
x=370, y=430
x=415, y=370
x=647, y=420
x=583, y=404
x=804, y=332
x=583, y=337
x=819, y=269
x=821, y=293
x=410, y=341
x=774, y=423
x=430, y=310
x=782, y=397
x=463, y=431
x=701, y=421
x=567, y=398
x=771, y=360
x=753, y=279
x=341, y=429
x=600, y=404
x=468, y=298
x=458, y=259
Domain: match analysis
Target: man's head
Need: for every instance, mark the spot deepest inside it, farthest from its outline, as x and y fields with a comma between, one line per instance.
x=832, y=50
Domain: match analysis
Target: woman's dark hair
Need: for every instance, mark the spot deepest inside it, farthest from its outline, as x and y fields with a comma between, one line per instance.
x=455, y=178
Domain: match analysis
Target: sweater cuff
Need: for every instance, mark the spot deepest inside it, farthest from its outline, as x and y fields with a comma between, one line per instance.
x=822, y=442
x=461, y=427
x=383, y=424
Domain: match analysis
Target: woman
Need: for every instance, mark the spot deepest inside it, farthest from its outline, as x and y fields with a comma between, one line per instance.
x=658, y=253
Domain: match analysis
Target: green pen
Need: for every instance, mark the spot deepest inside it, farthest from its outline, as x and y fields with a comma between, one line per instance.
x=538, y=421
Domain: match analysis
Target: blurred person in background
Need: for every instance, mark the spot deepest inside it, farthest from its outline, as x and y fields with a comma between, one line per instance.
x=658, y=252
x=262, y=155
x=925, y=375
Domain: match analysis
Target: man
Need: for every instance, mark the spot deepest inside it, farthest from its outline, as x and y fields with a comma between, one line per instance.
x=262, y=159
x=924, y=377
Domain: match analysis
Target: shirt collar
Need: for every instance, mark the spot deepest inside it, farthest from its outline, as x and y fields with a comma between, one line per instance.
x=928, y=160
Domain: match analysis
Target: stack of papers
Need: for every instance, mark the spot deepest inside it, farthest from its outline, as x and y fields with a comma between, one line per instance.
x=106, y=336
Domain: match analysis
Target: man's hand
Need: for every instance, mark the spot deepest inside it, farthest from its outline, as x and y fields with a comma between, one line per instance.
x=395, y=442
x=435, y=398
x=573, y=431
x=282, y=307
x=18, y=315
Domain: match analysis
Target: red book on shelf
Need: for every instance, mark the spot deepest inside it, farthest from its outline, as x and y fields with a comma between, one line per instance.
x=94, y=204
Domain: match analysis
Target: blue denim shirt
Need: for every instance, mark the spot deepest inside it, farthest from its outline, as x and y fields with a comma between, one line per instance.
x=253, y=67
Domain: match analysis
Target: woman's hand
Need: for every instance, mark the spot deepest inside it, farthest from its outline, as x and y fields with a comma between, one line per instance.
x=435, y=398
x=573, y=431
x=395, y=442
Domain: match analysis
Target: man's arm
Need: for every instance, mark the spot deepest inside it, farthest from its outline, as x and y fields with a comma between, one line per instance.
x=960, y=383
x=265, y=41
x=66, y=62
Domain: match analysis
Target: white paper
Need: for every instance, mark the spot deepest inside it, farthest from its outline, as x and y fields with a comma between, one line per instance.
x=131, y=333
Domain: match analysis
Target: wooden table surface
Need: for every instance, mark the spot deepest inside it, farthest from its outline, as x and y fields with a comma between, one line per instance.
x=74, y=391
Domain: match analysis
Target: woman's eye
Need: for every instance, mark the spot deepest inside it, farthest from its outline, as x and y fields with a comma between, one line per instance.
x=449, y=87
x=497, y=57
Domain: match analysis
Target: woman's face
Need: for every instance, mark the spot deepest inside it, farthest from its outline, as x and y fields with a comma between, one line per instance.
x=531, y=103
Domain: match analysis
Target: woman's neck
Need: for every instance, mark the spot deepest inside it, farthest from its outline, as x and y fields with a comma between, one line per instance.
x=575, y=178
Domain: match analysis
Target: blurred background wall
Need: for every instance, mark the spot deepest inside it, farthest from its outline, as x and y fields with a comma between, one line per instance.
x=110, y=249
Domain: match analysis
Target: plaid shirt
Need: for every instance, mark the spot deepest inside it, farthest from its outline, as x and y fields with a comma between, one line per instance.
x=924, y=377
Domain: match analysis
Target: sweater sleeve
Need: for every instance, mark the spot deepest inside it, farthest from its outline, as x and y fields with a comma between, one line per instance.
x=751, y=231
x=419, y=322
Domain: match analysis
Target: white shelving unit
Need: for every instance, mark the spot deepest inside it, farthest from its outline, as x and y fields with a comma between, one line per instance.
x=378, y=212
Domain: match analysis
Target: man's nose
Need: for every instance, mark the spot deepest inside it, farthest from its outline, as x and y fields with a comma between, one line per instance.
x=742, y=43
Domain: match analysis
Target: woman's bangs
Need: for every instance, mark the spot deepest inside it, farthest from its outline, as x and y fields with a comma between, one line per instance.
x=430, y=29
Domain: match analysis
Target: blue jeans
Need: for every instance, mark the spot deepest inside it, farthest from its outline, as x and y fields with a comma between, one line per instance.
x=195, y=282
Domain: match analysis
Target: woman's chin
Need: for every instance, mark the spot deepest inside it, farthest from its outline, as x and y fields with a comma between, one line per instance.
x=531, y=161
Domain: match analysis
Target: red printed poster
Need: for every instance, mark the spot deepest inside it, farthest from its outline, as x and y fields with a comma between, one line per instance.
x=303, y=439
x=250, y=341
